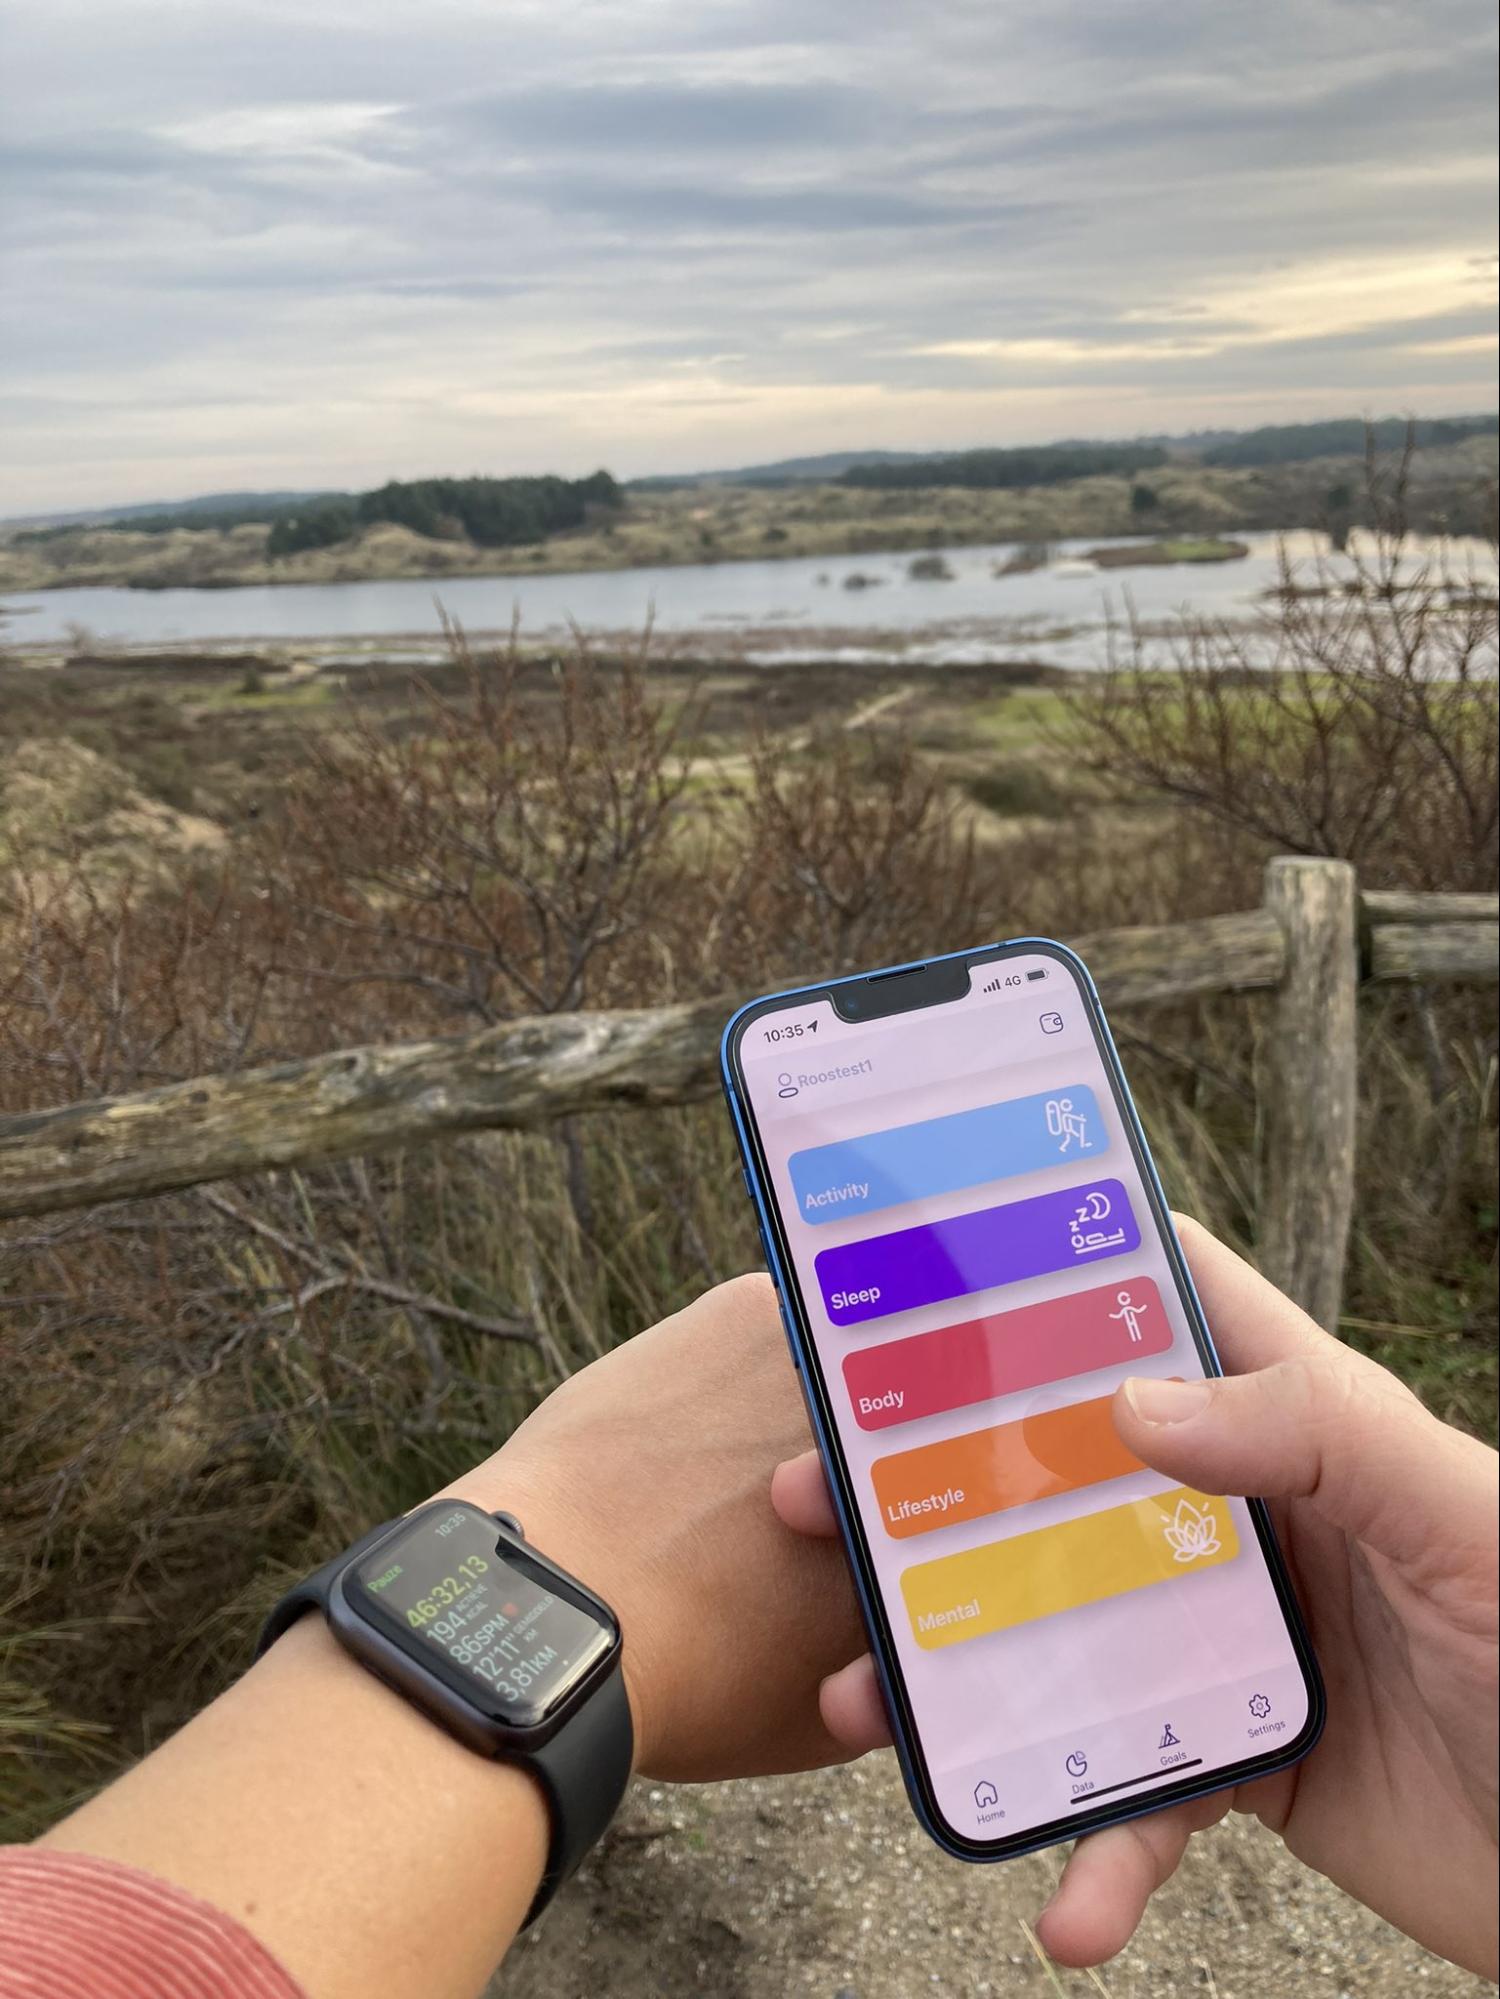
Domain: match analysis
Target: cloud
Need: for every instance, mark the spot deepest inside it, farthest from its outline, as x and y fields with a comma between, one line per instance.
x=1351, y=301
x=697, y=119
x=327, y=241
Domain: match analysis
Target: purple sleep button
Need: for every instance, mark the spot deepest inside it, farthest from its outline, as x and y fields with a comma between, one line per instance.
x=975, y=1252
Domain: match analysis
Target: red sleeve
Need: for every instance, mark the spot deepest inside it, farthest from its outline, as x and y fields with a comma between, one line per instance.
x=73, y=1927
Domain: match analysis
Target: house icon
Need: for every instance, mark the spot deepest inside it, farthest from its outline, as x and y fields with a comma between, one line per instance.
x=985, y=1794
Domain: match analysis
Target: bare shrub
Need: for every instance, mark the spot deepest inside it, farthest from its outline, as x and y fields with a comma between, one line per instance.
x=1359, y=720
x=850, y=855
x=120, y=988
x=507, y=855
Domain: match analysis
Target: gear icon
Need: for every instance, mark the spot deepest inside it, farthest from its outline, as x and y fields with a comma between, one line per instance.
x=1260, y=1707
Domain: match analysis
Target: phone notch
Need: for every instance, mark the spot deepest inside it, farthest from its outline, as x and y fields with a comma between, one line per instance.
x=904, y=990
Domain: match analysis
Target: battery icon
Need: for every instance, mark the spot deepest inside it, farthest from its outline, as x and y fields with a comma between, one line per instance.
x=1036, y=975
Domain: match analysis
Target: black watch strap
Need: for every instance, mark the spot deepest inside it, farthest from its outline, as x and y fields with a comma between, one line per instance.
x=585, y=1768
x=584, y=1771
x=313, y=1592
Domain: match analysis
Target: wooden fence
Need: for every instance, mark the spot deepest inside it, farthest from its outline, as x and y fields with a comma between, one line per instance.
x=1314, y=943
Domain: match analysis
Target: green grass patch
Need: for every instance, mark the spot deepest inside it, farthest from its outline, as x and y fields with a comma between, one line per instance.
x=1019, y=789
x=1021, y=719
x=1207, y=549
x=272, y=694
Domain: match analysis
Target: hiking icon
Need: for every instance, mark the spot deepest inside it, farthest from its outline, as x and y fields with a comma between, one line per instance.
x=1168, y=1739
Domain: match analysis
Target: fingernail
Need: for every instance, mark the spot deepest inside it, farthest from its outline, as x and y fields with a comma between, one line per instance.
x=1163, y=1402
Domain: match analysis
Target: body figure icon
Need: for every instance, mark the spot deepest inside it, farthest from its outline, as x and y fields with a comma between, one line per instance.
x=1130, y=1314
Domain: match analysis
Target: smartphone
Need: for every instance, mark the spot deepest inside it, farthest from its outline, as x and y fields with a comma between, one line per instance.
x=972, y=1251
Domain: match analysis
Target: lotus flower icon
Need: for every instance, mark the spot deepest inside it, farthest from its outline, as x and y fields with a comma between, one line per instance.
x=1192, y=1533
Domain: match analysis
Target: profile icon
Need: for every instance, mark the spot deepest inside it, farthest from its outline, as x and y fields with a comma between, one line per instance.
x=785, y=1087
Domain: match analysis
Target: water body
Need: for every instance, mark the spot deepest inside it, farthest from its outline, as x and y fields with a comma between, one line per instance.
x=797, y=608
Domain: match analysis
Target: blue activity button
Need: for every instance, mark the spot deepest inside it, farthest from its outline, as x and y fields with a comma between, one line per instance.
x=942, y=1155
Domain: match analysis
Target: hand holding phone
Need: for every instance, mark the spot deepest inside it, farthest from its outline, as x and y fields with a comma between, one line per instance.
x=973, y=1253
x=1389, y=1516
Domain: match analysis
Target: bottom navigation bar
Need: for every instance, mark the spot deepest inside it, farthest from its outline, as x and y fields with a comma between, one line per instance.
x=1004, y=1790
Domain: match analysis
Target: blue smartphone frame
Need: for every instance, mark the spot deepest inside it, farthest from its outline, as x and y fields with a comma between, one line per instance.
x=814, y=1392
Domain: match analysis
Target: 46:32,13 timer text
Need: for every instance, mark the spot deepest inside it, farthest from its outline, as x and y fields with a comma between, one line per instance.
x=447, y=1591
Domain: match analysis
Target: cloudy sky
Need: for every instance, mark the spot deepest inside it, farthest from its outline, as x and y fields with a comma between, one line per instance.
x=265, y=243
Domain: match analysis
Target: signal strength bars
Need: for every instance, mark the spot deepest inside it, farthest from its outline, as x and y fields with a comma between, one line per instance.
x=998, y=985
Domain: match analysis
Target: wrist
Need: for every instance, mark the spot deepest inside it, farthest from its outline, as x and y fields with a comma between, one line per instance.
x=361, y=1721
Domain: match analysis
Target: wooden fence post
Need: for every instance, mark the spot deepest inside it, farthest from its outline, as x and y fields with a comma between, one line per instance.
x=1308, y=1086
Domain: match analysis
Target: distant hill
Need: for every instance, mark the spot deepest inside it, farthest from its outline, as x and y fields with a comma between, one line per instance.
x=983, y=466
x=1030, y=465
x=209, y=506
x=1046, y=464
x=1052, y=464
x=1341, y=437
x=827, y=466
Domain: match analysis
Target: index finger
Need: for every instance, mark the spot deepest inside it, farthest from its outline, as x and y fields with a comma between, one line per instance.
x=1253, y=1324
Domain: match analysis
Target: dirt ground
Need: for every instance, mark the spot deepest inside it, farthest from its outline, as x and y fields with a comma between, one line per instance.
x=825, y=1885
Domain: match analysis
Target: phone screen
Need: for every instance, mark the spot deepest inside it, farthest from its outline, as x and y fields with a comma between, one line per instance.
x=975, y=1253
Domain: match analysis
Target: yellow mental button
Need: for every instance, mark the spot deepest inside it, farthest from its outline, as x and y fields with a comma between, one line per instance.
x=1060, y=1568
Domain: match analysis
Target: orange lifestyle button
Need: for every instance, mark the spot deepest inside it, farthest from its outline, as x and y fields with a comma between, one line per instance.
x=1063, y=1567
x=1009, y=1464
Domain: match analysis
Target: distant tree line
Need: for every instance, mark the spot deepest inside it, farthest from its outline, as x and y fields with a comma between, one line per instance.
x=1041, y=465
x=1344, y=437
x=319, y=526
x=491, y=513
x=1050, y=465
x=494, y=513
x=501, y=513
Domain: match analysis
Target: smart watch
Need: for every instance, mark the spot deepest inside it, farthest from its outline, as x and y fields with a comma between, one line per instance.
x=454, y=1610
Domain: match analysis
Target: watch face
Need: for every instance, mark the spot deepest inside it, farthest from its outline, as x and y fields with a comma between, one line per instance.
x=488, y=1616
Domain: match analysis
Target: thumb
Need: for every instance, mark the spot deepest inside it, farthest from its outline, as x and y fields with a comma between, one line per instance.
x=1326, y=1427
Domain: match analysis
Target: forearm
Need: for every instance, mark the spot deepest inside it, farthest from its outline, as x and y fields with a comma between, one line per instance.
x=374, y=1856
x=379, y=1859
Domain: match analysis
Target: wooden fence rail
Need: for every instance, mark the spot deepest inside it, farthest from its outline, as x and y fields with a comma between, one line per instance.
x=1314, y=942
